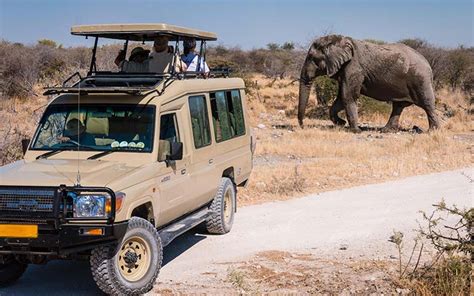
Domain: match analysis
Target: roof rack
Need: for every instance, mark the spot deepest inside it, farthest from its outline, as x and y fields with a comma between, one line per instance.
x=89, y=90
x=141, y=32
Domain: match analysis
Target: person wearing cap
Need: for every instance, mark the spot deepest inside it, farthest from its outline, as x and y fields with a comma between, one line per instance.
x=137, y=63
x=161, y=58
x=191, y=58
x=76, y=131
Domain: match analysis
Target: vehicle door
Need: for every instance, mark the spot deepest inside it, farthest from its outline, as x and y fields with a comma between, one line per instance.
x=203, y=172
x=174, y=179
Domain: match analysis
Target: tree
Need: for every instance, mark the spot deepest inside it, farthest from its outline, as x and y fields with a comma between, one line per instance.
x=460, y=63
x=288, y=46
x=414, y=43
x=273, y=46
x=50, y=43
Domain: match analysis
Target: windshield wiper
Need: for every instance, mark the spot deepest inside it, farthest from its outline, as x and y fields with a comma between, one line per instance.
x=99, y=155
x=51, y=153
x=69, y=148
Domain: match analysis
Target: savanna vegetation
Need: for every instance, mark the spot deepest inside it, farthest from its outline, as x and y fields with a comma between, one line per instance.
x=289, y=161
x=333, y=157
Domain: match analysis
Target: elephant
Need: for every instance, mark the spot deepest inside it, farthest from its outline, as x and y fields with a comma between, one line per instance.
x=387, y=72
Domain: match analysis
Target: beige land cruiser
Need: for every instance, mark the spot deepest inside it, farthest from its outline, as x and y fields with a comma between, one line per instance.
x=122, y=163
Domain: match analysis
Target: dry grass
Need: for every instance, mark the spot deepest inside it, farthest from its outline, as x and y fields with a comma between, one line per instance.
x=449, y=276
x=277, y=272
x=291, y=161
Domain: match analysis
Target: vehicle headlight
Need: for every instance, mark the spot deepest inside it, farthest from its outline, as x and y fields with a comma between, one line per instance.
x=92, y=206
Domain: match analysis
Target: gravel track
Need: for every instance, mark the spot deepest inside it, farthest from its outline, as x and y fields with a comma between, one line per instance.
x=359, y=220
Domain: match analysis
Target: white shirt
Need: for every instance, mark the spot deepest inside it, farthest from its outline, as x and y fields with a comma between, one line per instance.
x=192, y=67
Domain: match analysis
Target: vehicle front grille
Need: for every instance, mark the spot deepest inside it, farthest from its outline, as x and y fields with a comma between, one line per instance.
x=21, y=202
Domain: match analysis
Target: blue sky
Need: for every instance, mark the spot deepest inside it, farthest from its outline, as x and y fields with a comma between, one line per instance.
x=248, y=23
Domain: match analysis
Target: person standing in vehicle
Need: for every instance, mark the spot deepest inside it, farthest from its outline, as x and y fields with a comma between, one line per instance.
x=137, y=63
x=161, y=58
x=191, y=58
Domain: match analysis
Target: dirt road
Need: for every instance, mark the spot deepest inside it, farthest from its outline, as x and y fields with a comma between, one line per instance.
x=358, y=220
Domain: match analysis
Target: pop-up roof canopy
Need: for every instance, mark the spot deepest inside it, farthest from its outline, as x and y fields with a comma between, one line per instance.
x=140, y=32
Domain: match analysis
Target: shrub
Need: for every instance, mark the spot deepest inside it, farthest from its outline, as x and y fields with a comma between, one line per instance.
x=450, y=271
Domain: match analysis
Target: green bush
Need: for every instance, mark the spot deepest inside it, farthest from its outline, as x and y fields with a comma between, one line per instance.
x=369, y=106
x=326, y=90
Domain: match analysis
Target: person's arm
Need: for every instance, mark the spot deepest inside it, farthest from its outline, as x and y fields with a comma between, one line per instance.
x=180, y=65
x=120, y=58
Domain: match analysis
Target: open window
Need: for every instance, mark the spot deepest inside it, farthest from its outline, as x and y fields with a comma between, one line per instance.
x=199, y=121
x=227, y=115
x=169, y=135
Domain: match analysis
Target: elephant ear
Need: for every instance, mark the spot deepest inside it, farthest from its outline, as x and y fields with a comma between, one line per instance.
x=337, y=53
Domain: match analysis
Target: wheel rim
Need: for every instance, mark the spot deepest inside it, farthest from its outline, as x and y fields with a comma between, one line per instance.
x=133, y=259
x=228, y=206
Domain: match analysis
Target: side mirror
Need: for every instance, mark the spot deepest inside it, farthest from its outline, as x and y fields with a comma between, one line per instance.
x=176, y=152
x=24, y=145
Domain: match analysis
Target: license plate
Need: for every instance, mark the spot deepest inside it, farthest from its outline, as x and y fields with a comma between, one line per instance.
x=18, y=231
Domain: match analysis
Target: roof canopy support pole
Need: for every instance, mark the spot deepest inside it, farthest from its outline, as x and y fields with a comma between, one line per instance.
x=203, y=54
x=94, y=50
x=125, y=47
x=175, y=57
x=201, y=51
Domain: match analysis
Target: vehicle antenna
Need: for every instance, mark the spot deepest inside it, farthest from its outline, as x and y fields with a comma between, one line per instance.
x=78, y=176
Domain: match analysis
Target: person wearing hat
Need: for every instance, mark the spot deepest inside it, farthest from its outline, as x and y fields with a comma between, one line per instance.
x=76, y=131
x=162, y=57
x=137, y=63
x=191, y=58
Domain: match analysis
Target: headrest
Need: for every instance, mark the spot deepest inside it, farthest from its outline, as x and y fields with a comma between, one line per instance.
x=97, y=126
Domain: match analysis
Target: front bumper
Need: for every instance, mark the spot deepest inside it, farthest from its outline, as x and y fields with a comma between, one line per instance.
x=58, y=232
x=68, y=239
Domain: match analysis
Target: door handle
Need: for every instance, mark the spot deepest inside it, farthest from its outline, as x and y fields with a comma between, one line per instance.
x=183, y=171
x=211, y=161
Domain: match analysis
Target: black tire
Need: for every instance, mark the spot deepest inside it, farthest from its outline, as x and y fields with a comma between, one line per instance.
x=219, y=222
x=107, y=261
x=10, y=271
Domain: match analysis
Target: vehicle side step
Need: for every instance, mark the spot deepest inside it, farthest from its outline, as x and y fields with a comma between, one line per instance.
x=169, y=233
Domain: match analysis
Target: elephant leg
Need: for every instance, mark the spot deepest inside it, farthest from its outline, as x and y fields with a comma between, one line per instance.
x=336, y=107
x=433, y=119
x=393, y=122
x=350, y=85
x=425, y=99
x=352, y=116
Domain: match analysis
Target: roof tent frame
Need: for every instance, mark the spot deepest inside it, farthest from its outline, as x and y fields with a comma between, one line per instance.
x=140, y=33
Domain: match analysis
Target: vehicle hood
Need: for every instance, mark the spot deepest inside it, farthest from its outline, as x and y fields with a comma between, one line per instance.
x=54, y=172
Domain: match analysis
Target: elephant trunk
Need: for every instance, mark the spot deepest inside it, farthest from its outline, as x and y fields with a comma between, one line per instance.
x=308, y=73
x=305, y=90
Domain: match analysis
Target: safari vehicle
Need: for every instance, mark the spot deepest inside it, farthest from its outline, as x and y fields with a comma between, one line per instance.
x=123, y=163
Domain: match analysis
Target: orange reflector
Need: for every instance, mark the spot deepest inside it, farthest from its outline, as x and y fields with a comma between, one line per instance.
x=94, y=231
x=18, y=231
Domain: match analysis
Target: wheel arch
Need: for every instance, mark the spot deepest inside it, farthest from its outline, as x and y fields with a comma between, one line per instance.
x=143, y=209
x=229, y=173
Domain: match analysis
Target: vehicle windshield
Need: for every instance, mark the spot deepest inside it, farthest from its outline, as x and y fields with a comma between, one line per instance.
x=96, y=127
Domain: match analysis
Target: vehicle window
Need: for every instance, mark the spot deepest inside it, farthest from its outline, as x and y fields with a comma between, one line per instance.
x=199, y=121
x=220, y=117
x=94, y=127
x=227, y=115
x=237, y=113
x=168, y=134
